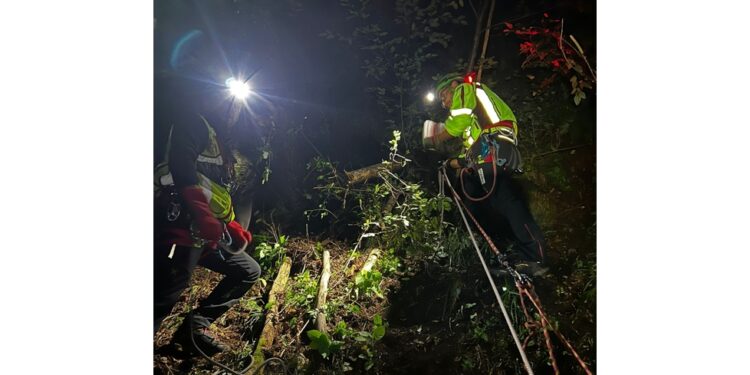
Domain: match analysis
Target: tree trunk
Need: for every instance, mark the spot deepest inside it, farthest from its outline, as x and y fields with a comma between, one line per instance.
x=269, y=333
x=320, y=321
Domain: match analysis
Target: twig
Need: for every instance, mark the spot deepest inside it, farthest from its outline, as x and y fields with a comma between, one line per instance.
x=301, y=330
x=559, y=150
x=560, y=45
x=583, y=56
x=473, y=9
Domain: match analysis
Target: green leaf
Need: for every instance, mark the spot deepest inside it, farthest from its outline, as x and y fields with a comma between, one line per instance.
x=378, y=333
x=319, y=341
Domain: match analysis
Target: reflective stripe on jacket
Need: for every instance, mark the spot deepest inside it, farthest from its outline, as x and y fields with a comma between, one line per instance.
x=468, y=122
x=209, y=158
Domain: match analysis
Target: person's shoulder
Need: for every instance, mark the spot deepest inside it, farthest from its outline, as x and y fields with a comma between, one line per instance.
x=190, y=128
x=193, y=124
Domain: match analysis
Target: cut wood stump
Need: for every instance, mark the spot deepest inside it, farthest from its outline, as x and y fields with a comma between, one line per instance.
x=370, y=262
x=269, y=332
x=320, y=320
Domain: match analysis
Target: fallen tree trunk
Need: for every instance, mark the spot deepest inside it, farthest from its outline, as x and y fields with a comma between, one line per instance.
x=363, y=174
x=269, y=333
x=320, y=320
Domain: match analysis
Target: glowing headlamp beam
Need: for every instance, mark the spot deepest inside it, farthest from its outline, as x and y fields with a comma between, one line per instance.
x=237, y=88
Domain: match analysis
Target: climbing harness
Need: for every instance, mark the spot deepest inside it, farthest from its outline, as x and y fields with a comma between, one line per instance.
x=488, y=149
x=525, y=290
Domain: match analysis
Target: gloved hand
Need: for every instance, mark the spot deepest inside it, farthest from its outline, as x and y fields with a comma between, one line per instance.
x=209, y=228
x=430, y=130
x=240, y=237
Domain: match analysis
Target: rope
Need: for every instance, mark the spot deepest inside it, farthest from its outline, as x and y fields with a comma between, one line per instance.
x=528, y=290
x=215, y=363
x=532, y=324
x=226, y=368
x=525, y=288
x=513, y=333
x=494, y=181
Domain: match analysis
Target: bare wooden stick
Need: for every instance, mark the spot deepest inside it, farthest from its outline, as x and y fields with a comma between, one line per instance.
x=320, y=321
x=269, y=333
x=583, y=56
x=559, y=150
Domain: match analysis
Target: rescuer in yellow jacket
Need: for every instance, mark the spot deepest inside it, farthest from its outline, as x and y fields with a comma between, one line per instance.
x=487, y=162
x=193, y=212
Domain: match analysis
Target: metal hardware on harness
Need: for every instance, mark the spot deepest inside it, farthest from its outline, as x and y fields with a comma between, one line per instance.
x=226, y=238
x=173, y=212
x=174, y=209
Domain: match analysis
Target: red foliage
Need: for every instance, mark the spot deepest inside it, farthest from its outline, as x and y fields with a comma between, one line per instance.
x=544, y=47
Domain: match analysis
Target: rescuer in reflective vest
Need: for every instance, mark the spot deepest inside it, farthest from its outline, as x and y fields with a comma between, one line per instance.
x=488, y=129
x=194, y=216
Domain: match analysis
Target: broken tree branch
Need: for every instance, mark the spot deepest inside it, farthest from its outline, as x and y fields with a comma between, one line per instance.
x=363, y=174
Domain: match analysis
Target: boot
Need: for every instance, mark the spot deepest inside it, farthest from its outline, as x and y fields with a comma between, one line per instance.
x=529, y=268
x=204, y=339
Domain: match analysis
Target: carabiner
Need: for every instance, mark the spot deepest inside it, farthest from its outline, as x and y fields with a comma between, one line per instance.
x=173, y=212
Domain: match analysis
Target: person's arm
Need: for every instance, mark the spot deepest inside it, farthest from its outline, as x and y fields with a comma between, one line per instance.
x=443, y=137
x=188, y=140
x=461, y=111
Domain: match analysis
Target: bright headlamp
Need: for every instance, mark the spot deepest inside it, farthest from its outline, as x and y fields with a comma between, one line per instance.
x=237, y=88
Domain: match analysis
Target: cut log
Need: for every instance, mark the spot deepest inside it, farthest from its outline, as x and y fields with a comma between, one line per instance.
x=320, y=320
x=269, y=332
x=370, y=262
x=363, y=174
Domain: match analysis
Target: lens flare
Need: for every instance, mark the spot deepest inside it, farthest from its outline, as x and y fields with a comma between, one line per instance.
x=430, y=97
x=237, y=88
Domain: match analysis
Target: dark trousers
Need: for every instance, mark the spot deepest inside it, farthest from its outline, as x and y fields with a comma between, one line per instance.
x=172, y=276
x=505, y=213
